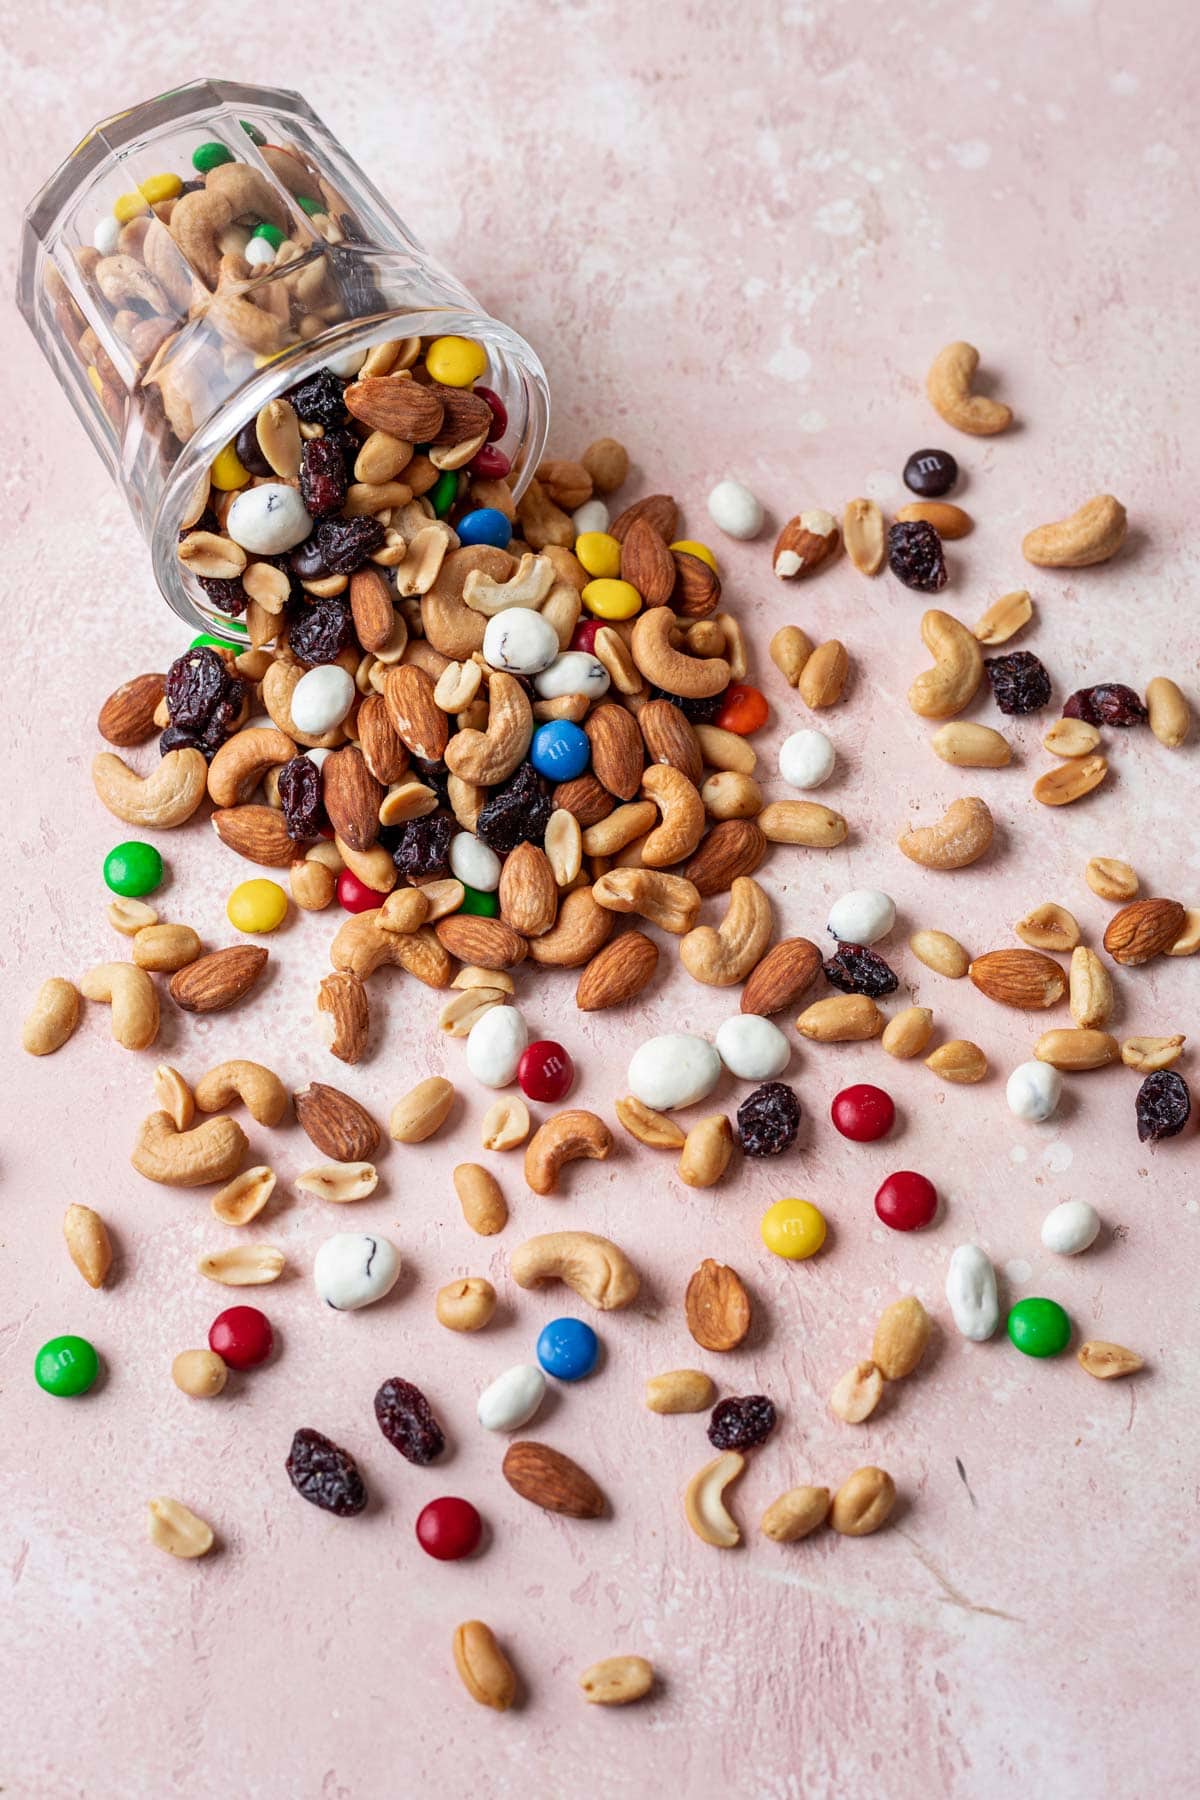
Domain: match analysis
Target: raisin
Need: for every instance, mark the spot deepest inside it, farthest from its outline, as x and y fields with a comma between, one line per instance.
x=300, y=792
x=196, y=683
x=319, y=634
x=323, y=476
x=435, y=775
x=356, y=279
x=698, y=712
x=915, y=556
x=318, y=401
x=741, y=1422
x=325, y=1474
x=768, y=1119
x=517, y=813
x=1111, y=703
x=407, y=1422
x=1019, y=681
x=856, y=970
x=1163, y=1106
x=228, y=596
x=423, y=846
x=249, y=452
x=178, y=737
x=345, y=544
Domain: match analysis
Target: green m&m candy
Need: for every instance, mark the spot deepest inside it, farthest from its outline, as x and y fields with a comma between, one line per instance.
x=311, y=207
x=210, y=156
x=443, y=493
x=217, y=643
x=270, y=234
x=252, y=132
x=1039, y=1327
x=66, y=1366
x=133, y=868
x=485, y=906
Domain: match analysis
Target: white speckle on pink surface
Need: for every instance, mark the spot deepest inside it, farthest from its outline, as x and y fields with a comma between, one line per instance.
x=972, y=153
x=1124, y=83
x=839, y=218
x=1058, y=1157
x=790, y=362
x=1160, y=156
x=1017, y=1271
x=1018, y=1154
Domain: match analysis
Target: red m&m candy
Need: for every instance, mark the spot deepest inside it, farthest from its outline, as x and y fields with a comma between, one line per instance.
x=499, y=423
x=355, y=895
x=906, y=1201
x=242, y=1336
x=448, y=1528
x=545, y=1071
x=863, y=1113
x=491, y=463
x=743, y=710
x=584, y=635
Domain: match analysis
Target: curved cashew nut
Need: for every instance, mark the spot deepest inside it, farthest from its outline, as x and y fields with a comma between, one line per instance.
x=242, y=322
x=529, y=586
x=581, y=929
x=593, y=1266
x=258, y=1088
x=488, y=757
x=449, y=624
x=162, y=257
x=1091, y=535
x=960, y=837
x=683, y=816
x=209, y=1152
x=230, y=192
x=704, y=1501
x=362, y=945
x=160, y=801
x=691, y=677
x=669, y=901
x=52, y=1017
x=727, y=954
x=567, y=1137
x=242, y=761
x=948, y=385
x=951, y=684
x=122, y=279
x=133, y=998
x=619, y=828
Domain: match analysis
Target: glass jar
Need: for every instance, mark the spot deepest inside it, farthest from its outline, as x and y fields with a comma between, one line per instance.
x=202, y=253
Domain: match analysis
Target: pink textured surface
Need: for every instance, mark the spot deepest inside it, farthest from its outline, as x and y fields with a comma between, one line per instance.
x=736, y=235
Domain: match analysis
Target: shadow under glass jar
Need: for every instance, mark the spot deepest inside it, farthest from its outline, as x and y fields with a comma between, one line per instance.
x=200, y=255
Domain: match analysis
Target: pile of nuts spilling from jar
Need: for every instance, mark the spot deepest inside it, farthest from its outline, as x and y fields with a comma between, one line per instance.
x=505, y=733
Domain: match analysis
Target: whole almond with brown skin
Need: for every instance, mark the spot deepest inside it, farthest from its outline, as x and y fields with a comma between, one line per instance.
x=658, y=510
x=647, y=564
x=464, y=415
x=551, y=1480
x=127, y=716
x=419, y=721
x=617, y=752
x=487, y=943
x=218, y=980
x=697, y=592
x=1023, y=978
x=1143, y=929
x=618, y=972
x=352, y=796
x=383, y=748
x=528, y=891
x=670, y=738
x=338, y=1126
x=784, y=973
x=371, y=607
x=733, y=847
x=901, y=1338
x=342, y=1001
x=717, y=1306
x=403, y=408
x=586, y=798
x=259, y=833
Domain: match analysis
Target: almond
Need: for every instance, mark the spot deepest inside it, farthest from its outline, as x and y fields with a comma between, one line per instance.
x=586, y=798
x=464, y=415
x=1105, y=1360
x=617, y=752
x=658, y=510
x=733, y=847
x=258, y=833
x=863, y=533
x=1143, y=930
x=785, y=972
x=806, y=542
x=352, y=796
x=697, y=592
x=338, y=1126
x=419, y=721
x=371, y=607
x=901, y=1337
x=717, y=1307
x=617, y=972
x=551, y=1480
x=528, y=891
x=127, y=716
x=646, y=563
x=670, y=738
x=488, y=943
x=383, y=748
x=401, y=407
x=219, y=979
x=342, y=1004
x=1023, y=978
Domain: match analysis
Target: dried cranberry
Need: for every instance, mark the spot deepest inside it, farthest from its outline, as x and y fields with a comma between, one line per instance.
x=299, y=783
x=249, y=452
x=699, y=712
x=768, y=1119
x=228, y=596
x=423, y=846
x=345, y=544
x=856, y=970
x=407, y=1422
x=1163, y=1106
x=915, y=556
x=741, y=1422
x=322, y=476
x=517, y=813
x=319, y=401
x=1019, y=681
x=319, y=634
x=196, y=683
x=1111, y=703
x=325, y=1474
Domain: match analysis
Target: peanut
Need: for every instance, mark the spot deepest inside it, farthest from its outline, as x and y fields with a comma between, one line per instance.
x=483, y=1204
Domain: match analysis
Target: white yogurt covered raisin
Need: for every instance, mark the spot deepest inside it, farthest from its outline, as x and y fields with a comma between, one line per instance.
x=971, y=1293
x=806, y=759
x=734, y=510
x=676, y=1069
x=474, y=862
x=752, y=1048
x=1034, y=1090
x=520, y=641
x=268, y=520
x=862, y=916
x=1071, y=1227
x=574, y=672
x=355, y=1268
x=321, y=699
x=494, y=1046
x=512, y=1399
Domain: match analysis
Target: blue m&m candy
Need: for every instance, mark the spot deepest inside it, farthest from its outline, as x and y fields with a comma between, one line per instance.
x=567, y=1349
x=486, y=525
x=560, y=750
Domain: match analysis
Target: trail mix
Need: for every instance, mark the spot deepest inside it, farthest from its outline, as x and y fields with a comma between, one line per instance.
x=512, y=735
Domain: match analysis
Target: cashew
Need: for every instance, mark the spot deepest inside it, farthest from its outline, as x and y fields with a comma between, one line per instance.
x=951, y=684
x=1091, y=535
x=133, y=998
x=231, y=192
x=669, y=901
x=593, y=1266
x=567, y=1137
x=704, y=1501
x=962, y=836
x=692, y=678
x=723, y=956
x=683, y=816
x=209, y=1152
x=620, y=828
x=123, y=279
x=488, y=757
x=259, y=1089
x=52, y=1017
x=242, y=761
x=948, y=385
x=362, y=946
x=162, y=800
x=529, y=586
x=583, y=927
x=452, y=627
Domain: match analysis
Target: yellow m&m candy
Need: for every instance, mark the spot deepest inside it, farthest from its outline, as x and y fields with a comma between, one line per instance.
x=455, y=361
x=690, y=547
x=257, y=906
x=599, y=553
x=612, y=599
x=228, y=471
x=793, y=1228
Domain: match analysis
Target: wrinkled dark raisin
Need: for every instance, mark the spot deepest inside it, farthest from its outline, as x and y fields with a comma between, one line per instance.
x=318, y=401
x=915, y=556
x=741, y=1422
x=1019, y=681
x=854, y=969
x=196, y=683
x=228, y=596
x=322, y=476
x=249, y=452
x=325, y=1474
x=768, y=1119
x=435, y=775
x=1111, y=703
x=179, y=737
x=356, y=278
x=319, y=634
x=930, y=473
x=300, y=797
x=1163, y=1106
x=423, y=846
x=345, y=544
x=407, y=1422
x=517, y=813
x=699, y=712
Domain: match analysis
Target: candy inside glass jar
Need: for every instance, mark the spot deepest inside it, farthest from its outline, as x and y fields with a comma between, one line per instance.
x=207, y=273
